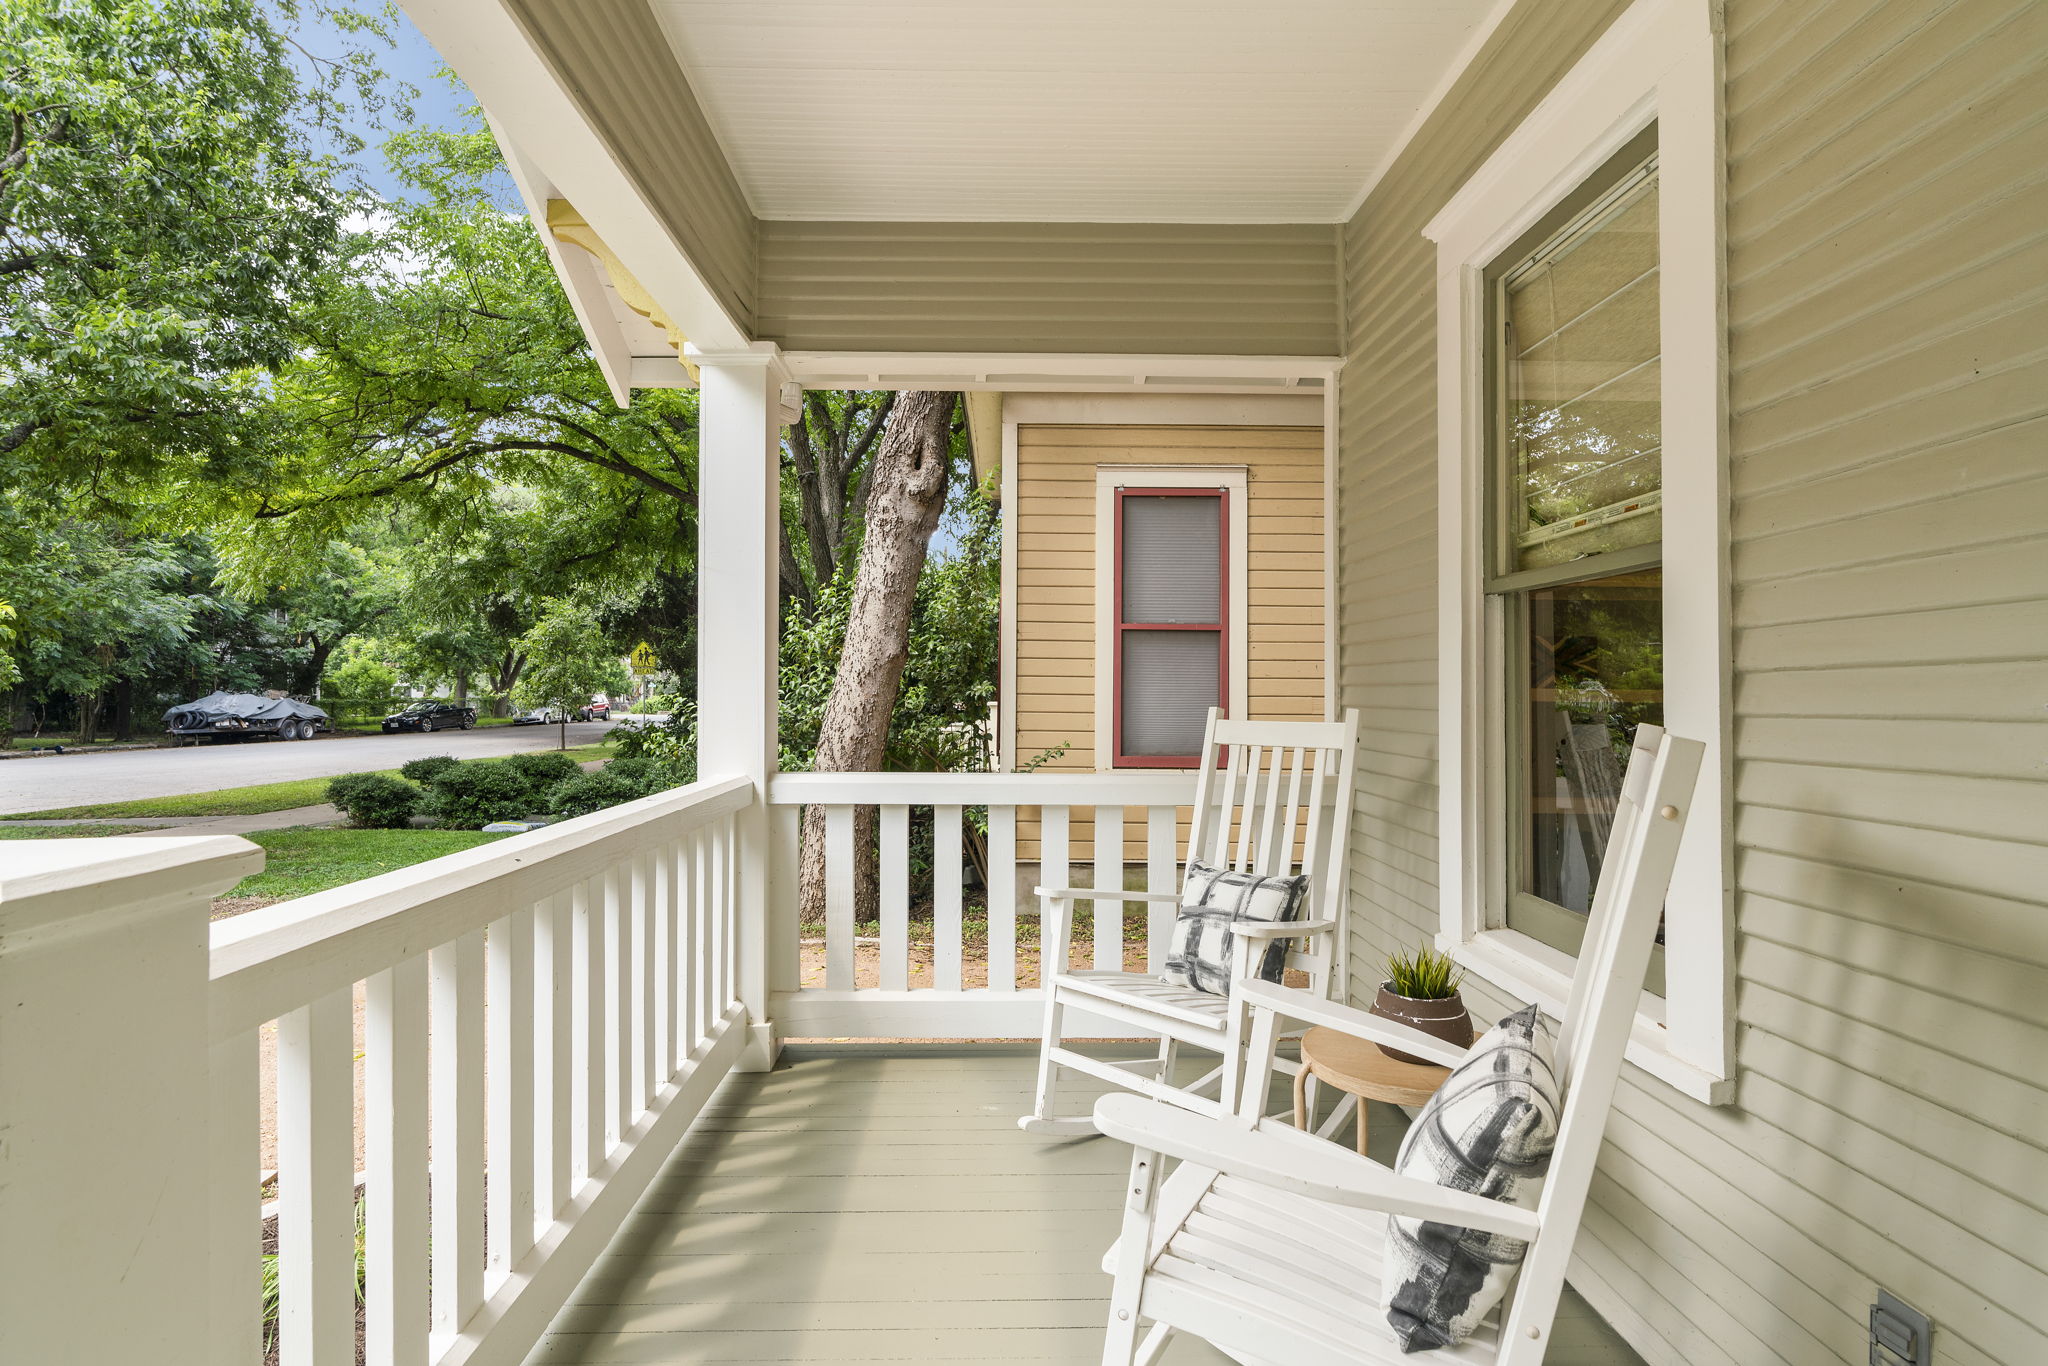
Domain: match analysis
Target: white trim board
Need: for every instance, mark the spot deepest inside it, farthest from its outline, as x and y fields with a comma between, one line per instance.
x=1235, y=480
x=1039, y=372
x=1659, y=62
x=1164, y=410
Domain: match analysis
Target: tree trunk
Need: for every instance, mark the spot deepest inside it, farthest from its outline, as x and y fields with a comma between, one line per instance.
x=88, y=718
x=124, y=709
x=906, y=492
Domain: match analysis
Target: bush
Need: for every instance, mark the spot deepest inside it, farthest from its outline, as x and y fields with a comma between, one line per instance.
x=374, y=801
x=588, y=792
x=427, y=768
x=478, y=792
x=542, y=771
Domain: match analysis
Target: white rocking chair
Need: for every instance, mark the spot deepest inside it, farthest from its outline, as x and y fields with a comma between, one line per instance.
x=1283, y=786
x=1267, y=1241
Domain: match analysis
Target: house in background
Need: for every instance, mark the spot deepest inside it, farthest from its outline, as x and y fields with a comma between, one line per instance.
x=1679, y=360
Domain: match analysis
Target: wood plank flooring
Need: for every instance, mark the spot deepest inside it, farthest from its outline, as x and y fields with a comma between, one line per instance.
x=883, y=1206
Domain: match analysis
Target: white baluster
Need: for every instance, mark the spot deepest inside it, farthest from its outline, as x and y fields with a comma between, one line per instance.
x=508, y=1072
x=1162, y=840
x=587, y=1013
x=1052, y=872
x=1109, y=876
x=839, y=898
x=1002, y=898
x=395, y=1166
x=946, y=898
x=456, y=1078
x=553, y=1078
x=895, y=898
x=316, y=1227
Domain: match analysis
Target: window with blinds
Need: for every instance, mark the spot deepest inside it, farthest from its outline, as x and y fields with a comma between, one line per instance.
x=1170, y=627
x=1577, y=562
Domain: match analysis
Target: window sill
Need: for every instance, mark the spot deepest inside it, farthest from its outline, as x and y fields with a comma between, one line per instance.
x=1530, y=970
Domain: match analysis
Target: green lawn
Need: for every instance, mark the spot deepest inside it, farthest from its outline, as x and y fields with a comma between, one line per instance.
x=238, y=801
x=303, y=859
x=64, y=832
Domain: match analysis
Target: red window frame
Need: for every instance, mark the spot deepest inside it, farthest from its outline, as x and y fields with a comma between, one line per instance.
x=1221, y=628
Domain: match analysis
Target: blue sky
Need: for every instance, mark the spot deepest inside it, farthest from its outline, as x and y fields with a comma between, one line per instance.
x=410, y=59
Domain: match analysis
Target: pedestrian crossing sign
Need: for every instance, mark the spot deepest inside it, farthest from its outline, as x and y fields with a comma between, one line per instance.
x=643, y=658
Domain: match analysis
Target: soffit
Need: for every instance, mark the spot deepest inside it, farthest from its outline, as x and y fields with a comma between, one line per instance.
x=1065, y=110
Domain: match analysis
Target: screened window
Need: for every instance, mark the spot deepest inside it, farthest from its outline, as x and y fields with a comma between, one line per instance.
x=1171, y=628
x=1579, y=510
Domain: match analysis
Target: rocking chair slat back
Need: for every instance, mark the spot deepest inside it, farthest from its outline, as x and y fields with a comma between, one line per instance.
x=1250, y=813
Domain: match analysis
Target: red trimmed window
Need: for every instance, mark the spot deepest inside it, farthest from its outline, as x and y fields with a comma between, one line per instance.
x=1172, y=605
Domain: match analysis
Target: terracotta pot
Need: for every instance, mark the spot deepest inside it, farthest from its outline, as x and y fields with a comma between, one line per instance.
x=1446, y=1019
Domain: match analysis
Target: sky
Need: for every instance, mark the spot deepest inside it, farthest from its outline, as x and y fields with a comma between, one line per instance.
x=438, y=104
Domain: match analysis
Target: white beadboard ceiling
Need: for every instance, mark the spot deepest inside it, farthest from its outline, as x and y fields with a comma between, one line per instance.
x=1068, y=110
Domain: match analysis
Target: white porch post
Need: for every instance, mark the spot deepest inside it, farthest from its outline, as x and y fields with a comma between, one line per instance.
x=104, y=1099
x=738, y=522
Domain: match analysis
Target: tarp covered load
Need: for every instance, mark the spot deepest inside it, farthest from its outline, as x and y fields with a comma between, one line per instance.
x=246, y=706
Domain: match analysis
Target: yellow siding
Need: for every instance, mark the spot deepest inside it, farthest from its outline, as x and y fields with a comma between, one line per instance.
x=1057, y=586
x=1889, y=356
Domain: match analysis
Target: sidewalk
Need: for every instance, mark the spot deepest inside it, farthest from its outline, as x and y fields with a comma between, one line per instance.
x=322, y=814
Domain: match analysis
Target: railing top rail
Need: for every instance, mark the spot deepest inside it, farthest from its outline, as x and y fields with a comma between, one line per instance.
x=270, y=961
x=1171, y=788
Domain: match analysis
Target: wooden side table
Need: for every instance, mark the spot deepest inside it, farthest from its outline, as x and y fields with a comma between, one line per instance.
x=1358, y=1068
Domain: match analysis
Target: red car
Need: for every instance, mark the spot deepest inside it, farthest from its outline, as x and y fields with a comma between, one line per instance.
x=596, y=711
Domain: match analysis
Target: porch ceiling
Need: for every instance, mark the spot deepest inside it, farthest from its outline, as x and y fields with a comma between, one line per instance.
x=1196, y=111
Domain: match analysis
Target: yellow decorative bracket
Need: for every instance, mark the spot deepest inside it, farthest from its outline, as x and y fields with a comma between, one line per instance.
x=569, y=226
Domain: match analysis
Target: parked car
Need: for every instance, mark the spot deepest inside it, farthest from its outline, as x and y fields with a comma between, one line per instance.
x=539, y=716
x=599, y=710
x=431, y=716
x=244, y=716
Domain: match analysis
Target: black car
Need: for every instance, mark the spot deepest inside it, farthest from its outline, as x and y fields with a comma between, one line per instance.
x=431, y=716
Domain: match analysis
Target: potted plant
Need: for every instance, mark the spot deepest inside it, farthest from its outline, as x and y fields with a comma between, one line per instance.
x=1421, y=991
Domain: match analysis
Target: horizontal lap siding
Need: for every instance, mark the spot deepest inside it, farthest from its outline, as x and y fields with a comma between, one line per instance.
x=1057, y=584
x=1165, y=288
x=1888, y=292
x=618, y=65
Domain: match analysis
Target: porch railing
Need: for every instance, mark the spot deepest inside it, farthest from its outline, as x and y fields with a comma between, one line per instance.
x=542, y=1019
x=1089, y=829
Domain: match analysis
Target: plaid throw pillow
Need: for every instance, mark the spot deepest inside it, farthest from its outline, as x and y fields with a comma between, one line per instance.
x=1488, y=1131
x=1213, y=900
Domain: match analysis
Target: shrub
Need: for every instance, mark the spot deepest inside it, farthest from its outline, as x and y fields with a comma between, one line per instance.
x=588, y=792
x=425, y=769
x=481, y=791
x=374, y=801
x=541, y=772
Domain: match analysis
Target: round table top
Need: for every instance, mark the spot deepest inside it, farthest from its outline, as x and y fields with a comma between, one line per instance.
x=1358, y=1067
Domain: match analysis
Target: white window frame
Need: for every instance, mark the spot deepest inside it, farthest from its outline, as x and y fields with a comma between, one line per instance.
x=1235, y=481
x=1660, y=62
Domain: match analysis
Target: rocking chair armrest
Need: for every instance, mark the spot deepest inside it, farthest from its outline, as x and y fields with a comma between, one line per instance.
x=1100, y=894
x=1281, y=929
x=1309, y=1008
x=1287, y=1159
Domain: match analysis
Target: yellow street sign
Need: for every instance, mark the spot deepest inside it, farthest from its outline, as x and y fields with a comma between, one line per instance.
x=643, y=658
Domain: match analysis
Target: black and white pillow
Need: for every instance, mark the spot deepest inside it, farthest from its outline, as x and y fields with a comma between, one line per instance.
x=1488, y=1131
x=1212, y=902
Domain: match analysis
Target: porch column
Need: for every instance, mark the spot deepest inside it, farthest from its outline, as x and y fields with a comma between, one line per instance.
x=738, y=523
x=105, y=1183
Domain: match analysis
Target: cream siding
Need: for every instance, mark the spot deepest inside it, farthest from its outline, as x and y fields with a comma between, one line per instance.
x=1151, y=288
x=617, y=62
x=1889, y=335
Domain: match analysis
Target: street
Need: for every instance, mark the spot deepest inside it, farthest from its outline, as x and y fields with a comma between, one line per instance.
x=47, y=781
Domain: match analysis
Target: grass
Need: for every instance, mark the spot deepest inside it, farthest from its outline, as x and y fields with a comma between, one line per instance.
x=228, y=801
x=64, y=832
x=240, y=801
x=304, y=859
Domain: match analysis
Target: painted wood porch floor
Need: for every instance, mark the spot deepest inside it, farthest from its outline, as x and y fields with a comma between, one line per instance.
x=883, y=1206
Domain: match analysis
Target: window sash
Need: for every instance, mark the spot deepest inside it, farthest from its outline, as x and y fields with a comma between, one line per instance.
x=1220, y=628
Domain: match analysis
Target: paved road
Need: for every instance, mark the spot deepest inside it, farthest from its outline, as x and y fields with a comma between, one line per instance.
x=38, y=784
